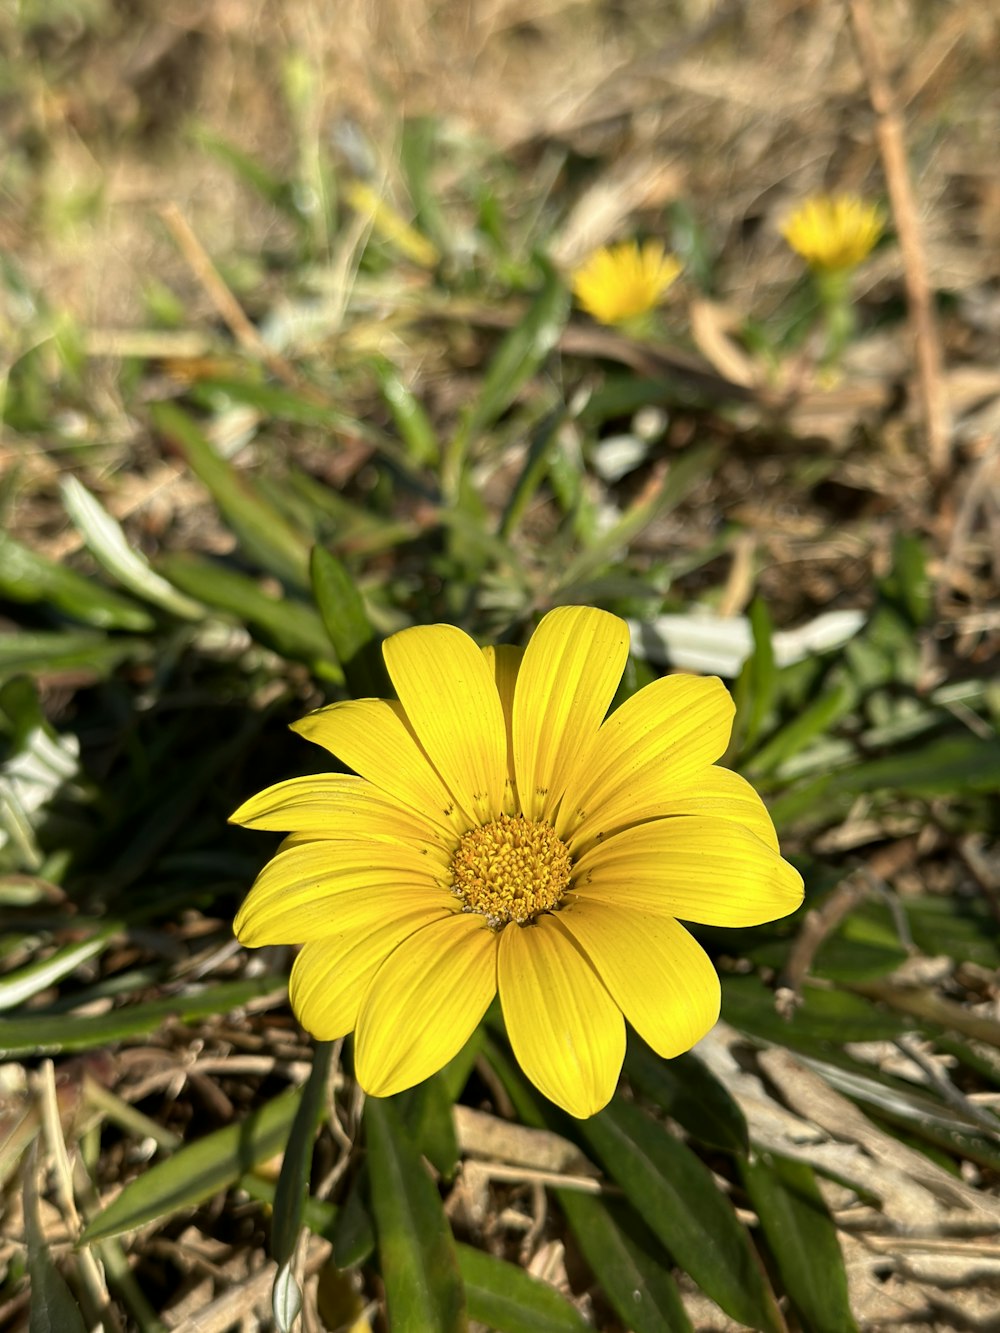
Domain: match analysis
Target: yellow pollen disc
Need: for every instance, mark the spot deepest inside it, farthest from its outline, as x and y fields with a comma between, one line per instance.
x=510, y=870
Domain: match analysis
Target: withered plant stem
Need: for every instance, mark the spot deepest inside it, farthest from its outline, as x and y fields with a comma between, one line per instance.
x=892, y=148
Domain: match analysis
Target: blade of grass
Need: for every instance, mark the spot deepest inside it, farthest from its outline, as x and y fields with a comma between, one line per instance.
x=803, y=1239
x=44, y=1035
x=197, y=1171
x=419, y=1266
x=26, y=576
x=262, y=530
x=508, y=1300
x=107, y=543
x=293, y=1180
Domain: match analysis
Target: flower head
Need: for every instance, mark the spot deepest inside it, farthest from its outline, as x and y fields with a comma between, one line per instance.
x=503, y=834
x=620, y=283
x=834, y=232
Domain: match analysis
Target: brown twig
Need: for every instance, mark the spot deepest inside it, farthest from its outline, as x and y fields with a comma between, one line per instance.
x=892, y=148
x=819, y=923
x=222, y=298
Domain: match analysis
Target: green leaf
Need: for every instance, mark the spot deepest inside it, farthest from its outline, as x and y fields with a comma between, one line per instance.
x=342, y=610
x=755, y=689
x=691, y=1095
x=293, y=1180
x=289, y=627
x=426, y=1112
x=517, y=359
x=508, y=1300
x=410, y=419
x=816, y=719
x=44, y=652
x=53, y=1308
x=419, y=1266
x=823, y=1018
x=353, y=1234
x=674, y=1193
x=28, y=577
x=197, y=1171
x=627, y=1262
x=19, y=985
x=684, y=475
x=262, y=530
x=109, y=546
x=803, y=1240
x=949, y=764
x=48, y=1034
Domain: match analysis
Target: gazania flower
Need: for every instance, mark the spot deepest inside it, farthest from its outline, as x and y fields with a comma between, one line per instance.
x=834, y=232
x=619, y=284
x=502, y=834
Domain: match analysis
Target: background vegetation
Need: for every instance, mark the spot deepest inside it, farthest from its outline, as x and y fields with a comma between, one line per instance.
x=289, y=362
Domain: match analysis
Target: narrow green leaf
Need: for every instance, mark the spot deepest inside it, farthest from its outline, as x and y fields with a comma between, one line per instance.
x=755, y=688
x=48, y=1034
x=813, y=721
x=199, y=1170
x=289, y=627
x=419, y=1266
x=691, y=1095
x=803, y=1240
x=627, y=1262
x=535, y=467
x=412, y=422
x=956, y=763
x=908, y=582
x=343, y=613
x=426, y=1112
x=263, y=531
x=109, y=546
x=26, y=576
x=293, y=1180
x=508, y=1300
x=823, y=1016
x=353, y=1234
x=18, y=986
x=673, y=1191
x=518, y=357
x=53, y=1308
x=47, y=652
x=318, y=1215
x=624, y=1256
x=684, y=475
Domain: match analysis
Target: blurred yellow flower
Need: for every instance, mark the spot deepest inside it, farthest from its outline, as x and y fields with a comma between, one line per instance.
x=834, y=232
x=620, y=283
x=503, y=834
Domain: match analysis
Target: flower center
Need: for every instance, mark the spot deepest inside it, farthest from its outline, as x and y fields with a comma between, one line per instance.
x=510, y=870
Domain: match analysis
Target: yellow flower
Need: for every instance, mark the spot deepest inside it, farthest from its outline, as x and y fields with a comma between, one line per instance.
x=503, y=834
x=620, y=283
x=834, y=232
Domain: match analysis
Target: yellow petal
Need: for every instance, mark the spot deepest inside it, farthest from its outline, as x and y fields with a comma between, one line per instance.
x=664, y=734
x=373, y=737
x=658, y=975
x=451, y=701
x=565, y=1029
x=330, y=976
x=695, y=868
x=335, y=805
x=296, y=896
x=424, y=1002
x=571, y=669
x=504, y=662
x=714, y=791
